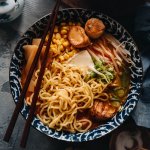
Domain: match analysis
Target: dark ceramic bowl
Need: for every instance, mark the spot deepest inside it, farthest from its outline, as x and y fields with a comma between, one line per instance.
x=112, y=27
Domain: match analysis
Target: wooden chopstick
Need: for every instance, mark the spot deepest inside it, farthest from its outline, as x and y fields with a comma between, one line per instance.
x=28, y=79
x=39, y=81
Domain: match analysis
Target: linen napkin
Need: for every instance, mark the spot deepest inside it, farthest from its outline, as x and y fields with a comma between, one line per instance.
x=141, y=113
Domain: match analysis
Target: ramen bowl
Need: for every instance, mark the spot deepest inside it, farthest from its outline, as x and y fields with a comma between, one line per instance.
x=112, y=27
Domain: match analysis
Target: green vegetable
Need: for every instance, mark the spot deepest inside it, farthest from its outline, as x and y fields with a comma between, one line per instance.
x=115, y=98
x=111, y=69
x=98, y=64
x=109, y=74
x=92, y=74
x=87, y=78
x=125, y=79
x=115, y=104
x=120, y=92
x=105, y=72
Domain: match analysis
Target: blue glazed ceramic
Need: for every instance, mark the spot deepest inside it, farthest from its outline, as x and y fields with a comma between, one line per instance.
x=112, y=27
x=10, y=10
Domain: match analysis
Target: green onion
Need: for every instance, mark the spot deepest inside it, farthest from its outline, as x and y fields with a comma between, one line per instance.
x=98, y=64
x=92, y=74
x=120, y=92
x=87, y=78
x=111, y=69
x=114, y=98
x=125, y=79
x=115, y=104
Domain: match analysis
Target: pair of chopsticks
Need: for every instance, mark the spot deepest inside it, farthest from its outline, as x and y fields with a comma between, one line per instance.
x=50, y=26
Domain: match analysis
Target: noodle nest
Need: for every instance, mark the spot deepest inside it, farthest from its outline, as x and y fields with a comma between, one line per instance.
x=64, y=94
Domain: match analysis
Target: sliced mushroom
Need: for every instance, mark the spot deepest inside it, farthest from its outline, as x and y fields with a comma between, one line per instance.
x=94, y=28
x=78, y=38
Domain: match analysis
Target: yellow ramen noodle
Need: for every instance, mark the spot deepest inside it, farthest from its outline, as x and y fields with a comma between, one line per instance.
x=63, y=94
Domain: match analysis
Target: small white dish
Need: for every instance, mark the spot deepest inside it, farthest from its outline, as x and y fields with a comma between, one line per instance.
x=10, y=9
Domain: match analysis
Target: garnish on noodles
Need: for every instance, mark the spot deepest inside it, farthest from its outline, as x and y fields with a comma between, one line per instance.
x=84, y=84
